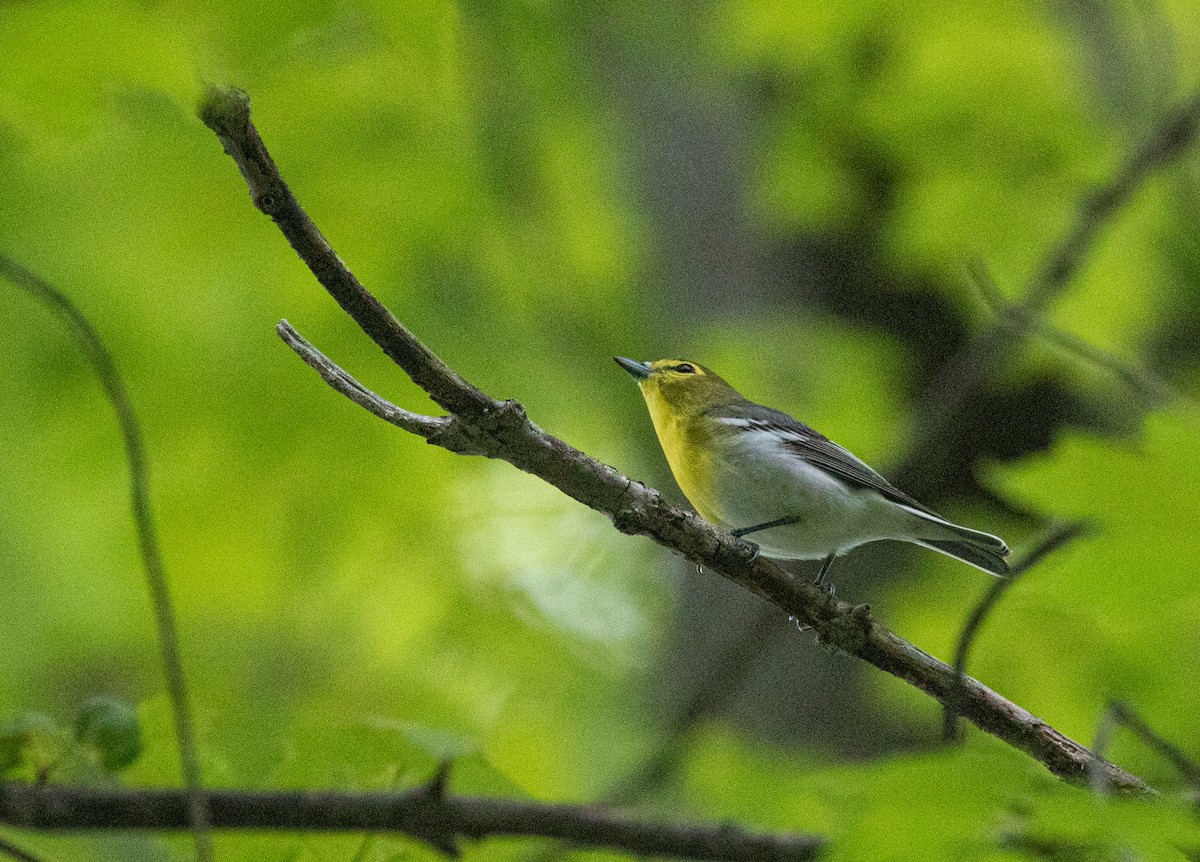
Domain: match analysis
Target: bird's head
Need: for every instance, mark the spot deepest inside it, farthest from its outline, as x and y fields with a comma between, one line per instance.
x=678, y=387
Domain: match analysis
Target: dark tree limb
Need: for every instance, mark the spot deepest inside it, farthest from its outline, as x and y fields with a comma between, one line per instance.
x=639, y=510
x=425, y=813
x=1175, y=133
x=105, y=367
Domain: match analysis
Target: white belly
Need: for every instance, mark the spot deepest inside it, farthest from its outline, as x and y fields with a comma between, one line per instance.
x=759, y=481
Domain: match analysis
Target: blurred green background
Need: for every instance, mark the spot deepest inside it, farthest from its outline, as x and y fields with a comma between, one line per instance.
x=786, y=192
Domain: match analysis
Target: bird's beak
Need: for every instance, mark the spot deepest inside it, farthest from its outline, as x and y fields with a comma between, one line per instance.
x=640, y=370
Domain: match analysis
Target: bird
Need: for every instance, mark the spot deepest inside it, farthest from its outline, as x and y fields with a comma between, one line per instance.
x=757, y=471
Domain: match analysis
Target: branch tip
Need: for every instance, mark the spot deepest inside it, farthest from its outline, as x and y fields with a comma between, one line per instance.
x=225, y=110
x=1121, y=714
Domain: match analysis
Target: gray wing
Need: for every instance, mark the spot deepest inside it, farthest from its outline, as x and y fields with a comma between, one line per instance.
x=820, y=451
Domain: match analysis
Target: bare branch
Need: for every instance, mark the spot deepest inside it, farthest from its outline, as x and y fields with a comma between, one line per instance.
x=156, y=578
x=425, y=813
x=502, y=430
x=1056, y=539
x=331, y=373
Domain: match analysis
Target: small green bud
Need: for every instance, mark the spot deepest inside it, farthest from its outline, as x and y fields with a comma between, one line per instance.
x=110, y=728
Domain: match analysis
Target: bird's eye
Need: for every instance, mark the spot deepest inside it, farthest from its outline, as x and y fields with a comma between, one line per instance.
x=685, y=368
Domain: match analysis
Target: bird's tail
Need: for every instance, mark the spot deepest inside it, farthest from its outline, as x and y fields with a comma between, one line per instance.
x=981, y=550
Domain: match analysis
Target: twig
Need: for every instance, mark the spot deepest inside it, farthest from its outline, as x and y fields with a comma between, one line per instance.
x=963, y=375
x=1170, y=139
x=1151, y=388
x=425, y=813
x=1056, y=539
x=7, y=848
x=331, y=373
x=1184, y=765
x=1120, y=714
x=156, y=579
x=481, y=425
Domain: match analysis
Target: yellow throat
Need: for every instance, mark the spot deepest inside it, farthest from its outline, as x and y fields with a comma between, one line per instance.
x=679, y=394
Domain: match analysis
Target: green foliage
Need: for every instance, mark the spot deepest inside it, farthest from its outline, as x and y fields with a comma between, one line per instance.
x=35, y=747
x=356, y=606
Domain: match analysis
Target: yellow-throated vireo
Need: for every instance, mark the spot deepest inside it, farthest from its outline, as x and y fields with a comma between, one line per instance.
x=754, y=470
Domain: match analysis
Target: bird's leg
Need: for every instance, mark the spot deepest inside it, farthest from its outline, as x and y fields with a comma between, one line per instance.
x=828, y=588
x=779, y=522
